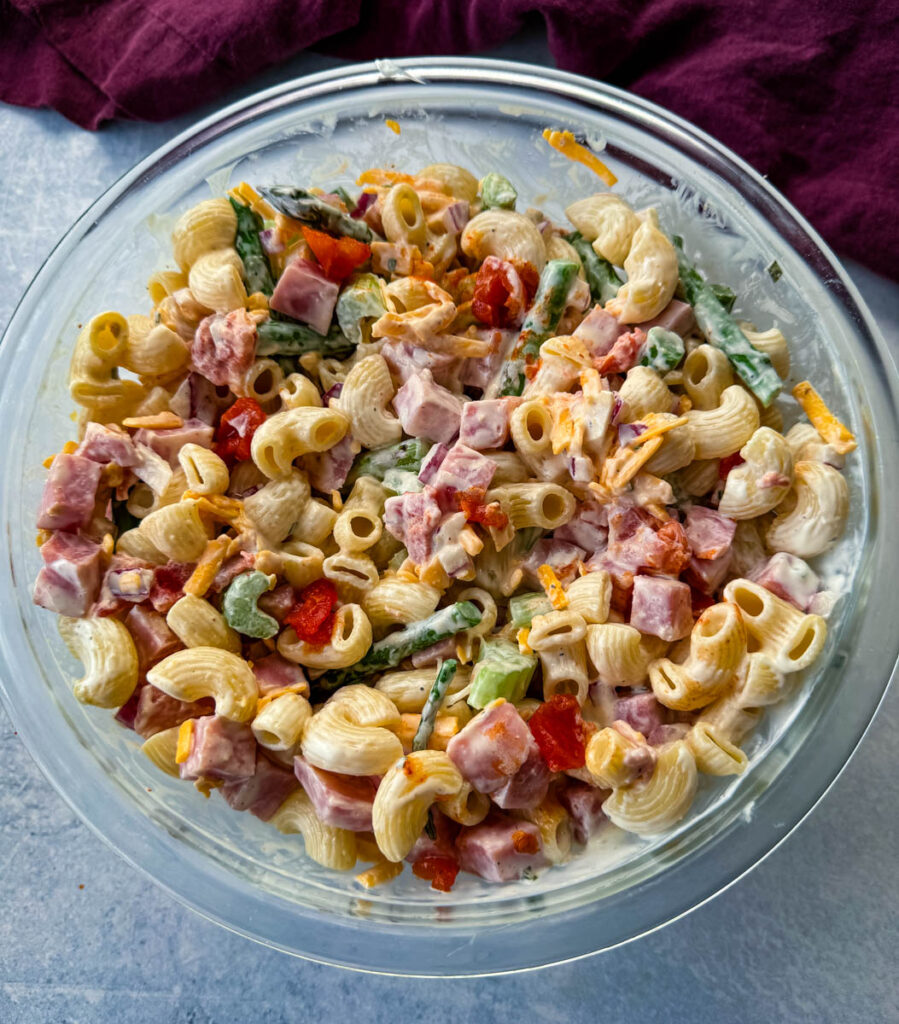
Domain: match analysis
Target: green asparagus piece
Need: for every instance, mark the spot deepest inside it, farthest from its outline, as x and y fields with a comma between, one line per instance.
x=540, y=323
x=604, y=282
x=407, y=455
x=754, y=367
x=347, y=199
x=524, y=607
x=301, y=205
x=395, y=647
x=501, y=671
x=249, y=249
x=498, y=192
x=360, y=302
x=435, y=698
x=239, y=605
x=289, y=338
x=662, y=350
x=725, y=295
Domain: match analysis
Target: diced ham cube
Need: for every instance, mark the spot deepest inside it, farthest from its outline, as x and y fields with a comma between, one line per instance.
x=69, y=493
x=157, y=711
x=444, y=843
x=199, y=398
x=220, y=749
x=677, y=316
x=589, y=529
x=344, y=801
x=152, y=636
x=641, y=711
x=263, y=792
x=168, y=584
x=405, y=361
x=584, y=806
x=235, y=566
x=527, y=787
x=413, y=519
x=709, y=533
x=276, y=673
x=500, y=849
x=328, y=470
x=668, y=733
x=482, y=372
x=623, y=354
x=304, y=293
x=223, y=348
x=425, y=409
x=278, y=602
x=559, y=555
x=661, y=607
x=485, y=424
x=492, y=747
x=69, y=580
x=167, y=443
x=707, y=574
x=128, y=711
x=789, y=577
x=461, y=470
x=151, y=467
x=598, y=331
x=106, y=444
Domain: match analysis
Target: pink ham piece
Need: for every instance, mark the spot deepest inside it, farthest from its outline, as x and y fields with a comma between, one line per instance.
x=709, y=533
x=69, y=493
x=623, y=354
x=344, y=801
x=461, y=470
x=105, y=444
x=527, y=787
x=789, y=577
x=492, y=747
x=425, y=409
x=661, y=607
x=201, y=399
x=278, y=602
x=304, y=293
x=220, y=749
x=275, y=673
x=443, y=845
x=707, y=574
x=223, y=347
x=263, y=792
x=485, y=424
x=328, y=470
x=589, y=529
x=167, y=443
x=500, y=849
x=668, y=733
x=641, y=711
x=413, y=519
x=598, y=331
x=559, y=555
x=230, y=570
x=482, y=372
x=152, y=636
x=584, y=806
x=405, y=361
x=157, y=711
x=69, y=580
x=677, y=316
x=168, y=585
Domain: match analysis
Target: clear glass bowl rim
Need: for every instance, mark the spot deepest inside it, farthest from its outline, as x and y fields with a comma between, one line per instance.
x=689, y=881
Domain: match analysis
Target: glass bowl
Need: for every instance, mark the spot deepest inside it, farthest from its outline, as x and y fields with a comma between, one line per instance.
x=485, y=115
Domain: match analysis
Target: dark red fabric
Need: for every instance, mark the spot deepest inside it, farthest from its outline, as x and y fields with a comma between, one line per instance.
x=804, y=91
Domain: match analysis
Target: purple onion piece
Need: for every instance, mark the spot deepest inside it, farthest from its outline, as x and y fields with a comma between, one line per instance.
x=431, y=462
x=628, y=432
x=270, y=239
x=365, y=200
x=332, y=392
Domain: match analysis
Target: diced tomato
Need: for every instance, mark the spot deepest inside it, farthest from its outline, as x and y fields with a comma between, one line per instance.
x=560, y=732
x=312, y=617
x=503, y=290
x=728, y=463
x=476, y=510
x=623, y=354
x=236, y=429
x=438, y=870
x=338, y=257
x=674, y=557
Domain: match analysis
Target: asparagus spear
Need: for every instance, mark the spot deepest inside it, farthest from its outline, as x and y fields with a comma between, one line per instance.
x=497, y=191
x=435, y=698
x=604, y=282
x=405, y=455
x=725, y=295
x=501, y=671
x=662, y=350
x=249, y=249
x=754, y=367
x=540, y=323
x=301, y=205
x=289, y=338
x=390, y=651
x=524, y=607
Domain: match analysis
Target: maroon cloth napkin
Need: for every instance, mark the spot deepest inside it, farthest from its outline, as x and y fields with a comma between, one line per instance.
x=804, y=91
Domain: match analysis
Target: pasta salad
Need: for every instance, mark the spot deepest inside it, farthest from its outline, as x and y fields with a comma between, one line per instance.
x=434, y=531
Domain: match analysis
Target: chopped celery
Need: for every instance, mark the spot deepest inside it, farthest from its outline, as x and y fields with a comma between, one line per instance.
x=501, y=671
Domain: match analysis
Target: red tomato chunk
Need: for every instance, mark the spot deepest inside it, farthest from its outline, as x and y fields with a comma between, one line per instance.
x=439, y=871
x=503, y=291
x=476, y=510
x=560, y=733
x=312, y=617
x=338, y=257
x=236, y=430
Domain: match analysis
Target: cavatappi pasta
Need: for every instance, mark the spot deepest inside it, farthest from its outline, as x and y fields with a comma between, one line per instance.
x=430, y=530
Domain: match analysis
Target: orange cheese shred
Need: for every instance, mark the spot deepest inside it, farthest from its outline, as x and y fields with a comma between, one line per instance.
x=185, y=738
x=568, y=146
x=832, y=431
x=393, y=126
x=552, y=587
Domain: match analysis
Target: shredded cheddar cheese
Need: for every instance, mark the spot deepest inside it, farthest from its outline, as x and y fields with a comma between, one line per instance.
x=200, y=580
x=383, y=177
x=185, y=739
x=158, y=421
x=552, y=587
x=445, y=727
x=619, y=469
x=832, y=431
x=568, y=146
x=383, y=872
x=393, y=126
x=247, y=195
x=522, y=637
x=655, y=427
x=301, y=688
